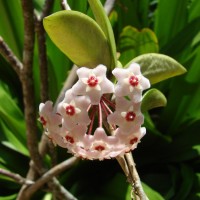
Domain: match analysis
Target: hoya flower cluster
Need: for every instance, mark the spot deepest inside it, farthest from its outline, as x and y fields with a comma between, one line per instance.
x=97, y=119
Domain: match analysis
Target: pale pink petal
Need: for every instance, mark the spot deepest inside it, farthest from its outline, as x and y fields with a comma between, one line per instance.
x=83, y=72
x=79, y=88
x=120, y=73
x=135, y=68
x=100, y=70
x=107, y=86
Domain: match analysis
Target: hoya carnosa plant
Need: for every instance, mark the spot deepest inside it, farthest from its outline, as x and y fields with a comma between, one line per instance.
x=99, y=118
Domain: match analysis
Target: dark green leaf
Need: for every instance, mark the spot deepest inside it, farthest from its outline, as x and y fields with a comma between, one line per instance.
x=134, y=43
x=151, y=194
x=153, y=98
x=12, y=123
x=171, y=17
x=186, y=184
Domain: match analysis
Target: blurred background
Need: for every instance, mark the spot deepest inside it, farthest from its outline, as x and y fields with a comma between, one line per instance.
x=168, y=158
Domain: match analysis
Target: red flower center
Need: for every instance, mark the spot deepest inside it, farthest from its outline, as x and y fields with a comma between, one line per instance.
x=133, y=141
x=92, y=81
x=43, y=121
x=69, y=139
x=99, y=148
x=130, y=116
x=133, y=80
x=70, y=110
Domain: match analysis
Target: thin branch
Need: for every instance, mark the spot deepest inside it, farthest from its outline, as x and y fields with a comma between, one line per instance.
x=65, y=5
x=108, y=6
x=48, y=4
x=41, y=39
x=60, y=191
x=10, y=57
x=43, y=65
x=16, y=177
x=28, y=85
x=49, y=175
x=136, y=183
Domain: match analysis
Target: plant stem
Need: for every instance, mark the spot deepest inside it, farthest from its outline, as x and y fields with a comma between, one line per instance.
x=27, y=83
x=16, y=177
x=48, y=176
x=10, y=57
x=128, y=166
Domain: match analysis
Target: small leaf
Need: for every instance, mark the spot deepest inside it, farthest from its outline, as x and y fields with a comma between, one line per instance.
x=11, y=197
x=79, y=37
x=133, y=43
x=158, y=67
x=153, y=98
x=103, y=21
x=152, y=194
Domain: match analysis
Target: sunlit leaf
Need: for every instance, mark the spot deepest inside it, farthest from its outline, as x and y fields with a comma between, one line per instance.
x=158, y=67
x=153, y=98
x=10, y=197
x=104, y=23
x=134, y=42
x=79, y=37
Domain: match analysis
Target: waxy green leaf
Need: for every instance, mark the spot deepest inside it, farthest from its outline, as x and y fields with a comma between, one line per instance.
x=158, y=67
x=103, y=21
x=153, y=98
x=134, y=42
x=79, y=37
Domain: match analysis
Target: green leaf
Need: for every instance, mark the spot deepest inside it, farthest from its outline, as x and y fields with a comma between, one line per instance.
x=153, y=98
x=79, y=37
x=186, y=184
x=151, y=194
x=103, y=21
x=12, y=123
x=11, y=197
x=134, y=43
x=167, y=24
x=158, y=67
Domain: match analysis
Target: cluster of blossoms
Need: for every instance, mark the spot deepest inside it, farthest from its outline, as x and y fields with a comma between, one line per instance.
x=97, y=119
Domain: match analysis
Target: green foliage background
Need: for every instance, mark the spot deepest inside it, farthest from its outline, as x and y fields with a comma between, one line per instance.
x=168, y=158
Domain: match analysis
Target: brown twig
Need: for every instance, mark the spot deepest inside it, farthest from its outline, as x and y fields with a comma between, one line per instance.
x=43, y=65
x=10, y=57
x=49, y=175
x=136, y=183
x=27, y=83
x=16, y=177
x=41, y=39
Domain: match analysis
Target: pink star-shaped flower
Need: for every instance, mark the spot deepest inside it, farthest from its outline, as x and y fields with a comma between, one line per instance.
x=48, y=117
x=93, y=83
x=73, y=109
x=131, y=140
x=75, y=136
x=127, y=115
x=98, y=146
x=130, y=82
